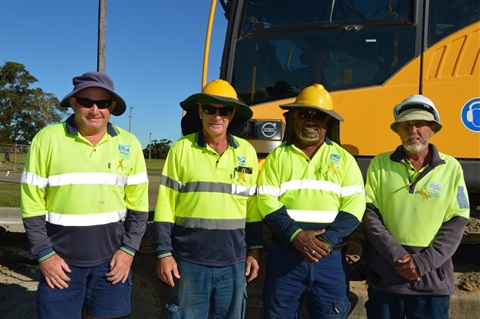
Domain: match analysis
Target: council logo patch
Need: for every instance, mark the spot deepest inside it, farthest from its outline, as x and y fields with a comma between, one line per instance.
x=124, y=148
x=242, y=161
x=434, y=190
x=124, y=151
x=335, y=158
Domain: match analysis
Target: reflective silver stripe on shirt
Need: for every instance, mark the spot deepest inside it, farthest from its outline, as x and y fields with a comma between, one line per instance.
x=87, y=178
x=203, y=223
x=312, y=216
x=34, y=179
x=311, y=184
x=208, y=187
x=137, y=179
x=352, y=190
x=86, y=219
x=83, y=178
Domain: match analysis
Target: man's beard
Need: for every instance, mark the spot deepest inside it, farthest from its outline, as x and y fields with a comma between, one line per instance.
x=414, y=148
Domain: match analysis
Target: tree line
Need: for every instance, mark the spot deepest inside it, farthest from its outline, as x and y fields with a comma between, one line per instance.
x=25, y=110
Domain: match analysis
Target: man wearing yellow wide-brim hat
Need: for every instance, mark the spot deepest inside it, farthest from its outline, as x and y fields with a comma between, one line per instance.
x=208, y=231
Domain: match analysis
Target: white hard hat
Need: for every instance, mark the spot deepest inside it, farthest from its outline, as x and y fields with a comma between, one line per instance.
x=416, y=107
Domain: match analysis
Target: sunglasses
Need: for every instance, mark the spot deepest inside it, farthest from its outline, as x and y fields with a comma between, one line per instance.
x=306, y=113
x=87, y=103
x=212, y=110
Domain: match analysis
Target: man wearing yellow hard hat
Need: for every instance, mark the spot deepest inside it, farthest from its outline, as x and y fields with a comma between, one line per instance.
x=311, y=195
x=208, y=230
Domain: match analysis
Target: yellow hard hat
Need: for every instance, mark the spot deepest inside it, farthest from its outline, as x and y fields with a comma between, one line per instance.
x=220, y=88
x=316, y=97
x=215, y=92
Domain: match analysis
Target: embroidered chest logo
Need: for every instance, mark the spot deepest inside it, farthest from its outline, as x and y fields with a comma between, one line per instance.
x=330, y=169
x=433, y=190
x=242, y=168
x=123, y=154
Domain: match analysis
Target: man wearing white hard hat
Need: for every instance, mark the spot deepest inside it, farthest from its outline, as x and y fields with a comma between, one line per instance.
x=417, y=208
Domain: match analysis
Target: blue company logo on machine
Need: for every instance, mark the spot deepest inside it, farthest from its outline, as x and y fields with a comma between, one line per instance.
x=269, y=129
x=470, y=115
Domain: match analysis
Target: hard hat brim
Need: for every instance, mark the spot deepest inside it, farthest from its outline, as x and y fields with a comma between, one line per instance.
x=416, y=114
x=332, y=113
x=191, y=122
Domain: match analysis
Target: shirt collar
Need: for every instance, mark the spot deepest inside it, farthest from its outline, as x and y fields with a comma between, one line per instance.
x=72, y=129
x=200, y=140
x=290, y=141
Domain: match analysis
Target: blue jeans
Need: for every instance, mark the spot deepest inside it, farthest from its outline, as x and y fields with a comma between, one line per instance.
x=220, y=291
x=384, y=305
x=88, y=287
x=289, y=280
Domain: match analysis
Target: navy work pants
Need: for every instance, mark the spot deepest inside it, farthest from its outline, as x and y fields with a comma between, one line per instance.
x=289, y=280
x=384, y=305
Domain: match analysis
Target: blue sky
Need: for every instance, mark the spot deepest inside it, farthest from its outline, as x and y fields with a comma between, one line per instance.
x=154, y=52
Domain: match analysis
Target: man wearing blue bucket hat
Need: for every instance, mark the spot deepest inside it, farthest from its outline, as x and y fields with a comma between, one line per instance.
x=84, y=198
x=208, y=230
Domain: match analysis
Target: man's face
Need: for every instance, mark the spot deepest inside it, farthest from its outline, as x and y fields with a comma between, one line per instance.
x=415, y=135
x=92, y=108
x=215, y=118
x=309, y=125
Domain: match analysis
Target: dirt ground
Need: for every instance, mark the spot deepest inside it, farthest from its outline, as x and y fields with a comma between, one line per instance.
x=19, y=274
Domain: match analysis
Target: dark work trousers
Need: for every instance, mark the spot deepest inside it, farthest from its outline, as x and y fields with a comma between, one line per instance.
x=289, y=281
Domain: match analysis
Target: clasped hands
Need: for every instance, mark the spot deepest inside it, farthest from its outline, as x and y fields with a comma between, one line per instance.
x=406, y=268
x=311, y=248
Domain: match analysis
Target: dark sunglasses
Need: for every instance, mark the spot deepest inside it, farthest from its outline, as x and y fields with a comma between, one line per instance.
x=212, y=110
x=306, y=113
x=87, y=103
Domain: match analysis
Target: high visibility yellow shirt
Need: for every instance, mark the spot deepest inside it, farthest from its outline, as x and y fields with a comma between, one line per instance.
x=206, y=210
x=313, y=191
x=83, y=201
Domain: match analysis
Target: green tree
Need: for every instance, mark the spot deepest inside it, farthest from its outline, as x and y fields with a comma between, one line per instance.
x=24, y=110
x=158, y=148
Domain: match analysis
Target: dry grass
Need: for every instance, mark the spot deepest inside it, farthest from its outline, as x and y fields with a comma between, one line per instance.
x=9, y=194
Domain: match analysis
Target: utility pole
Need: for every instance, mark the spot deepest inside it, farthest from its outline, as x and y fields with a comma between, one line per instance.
x=150, y=147
x=102, y=34
x=130, y=119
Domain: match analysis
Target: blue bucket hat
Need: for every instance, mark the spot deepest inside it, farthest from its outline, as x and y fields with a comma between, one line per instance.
x=97, y=80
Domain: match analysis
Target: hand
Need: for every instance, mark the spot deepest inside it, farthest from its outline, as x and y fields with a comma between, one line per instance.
x=119, y=267
x=54, y=270
x=166, y=267
x=252, y=265
x=406, y=268
x=311, y=248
